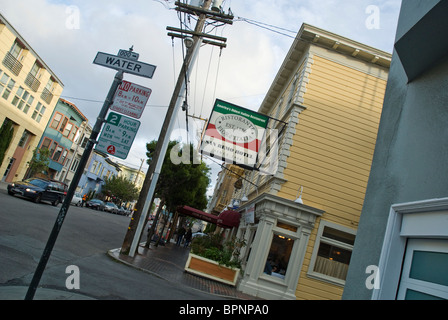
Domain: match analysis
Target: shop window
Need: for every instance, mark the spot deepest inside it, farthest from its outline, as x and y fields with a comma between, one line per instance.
x=332, y=253
x=278, y=257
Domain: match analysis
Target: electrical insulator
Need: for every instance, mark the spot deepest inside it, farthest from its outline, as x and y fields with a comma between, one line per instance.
x=216, y=5
x=196, y=3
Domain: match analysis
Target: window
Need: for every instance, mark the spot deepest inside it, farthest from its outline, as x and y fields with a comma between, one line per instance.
x=332, y=252
x=16, y=49
x=38, y=112
x=46, y=143
x=7, y=84
x=67, y=129
x=23, y=100
x=56, y=121
x=84, y=142
x=53, y=148
x=64, y=123
x=73, y=133
x=74, y=165
x=57, y=153
x=24, y=139
x=64, y=156
x=278, y=257
x=94, y=165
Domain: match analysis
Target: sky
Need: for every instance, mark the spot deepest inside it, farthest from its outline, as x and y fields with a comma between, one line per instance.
x=68, y=34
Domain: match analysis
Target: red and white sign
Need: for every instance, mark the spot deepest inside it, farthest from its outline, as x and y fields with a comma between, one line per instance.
x=130, y=99
x=111, y=149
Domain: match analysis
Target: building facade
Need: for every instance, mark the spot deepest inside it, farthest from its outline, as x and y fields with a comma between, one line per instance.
x=401, y=249
x=99, y=168
x=301, y=219
x=227, y=182
x=29, y=91
x=75, y=153
x=136, y=176
x=59, y=136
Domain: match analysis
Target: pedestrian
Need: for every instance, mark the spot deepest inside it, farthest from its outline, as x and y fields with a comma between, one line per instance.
x=84, y=199
x=188, y=237
x=180, y=235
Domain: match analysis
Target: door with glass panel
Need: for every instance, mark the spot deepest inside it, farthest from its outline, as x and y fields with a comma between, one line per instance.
x=425, y=270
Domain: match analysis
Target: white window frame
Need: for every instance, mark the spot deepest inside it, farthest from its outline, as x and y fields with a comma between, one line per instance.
x=320, y=276
x=420, y=219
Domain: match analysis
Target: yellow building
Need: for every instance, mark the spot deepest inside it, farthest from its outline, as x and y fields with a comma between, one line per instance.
x=227, y=183
x=29, y=91
x=328, y=93
x=134, y=175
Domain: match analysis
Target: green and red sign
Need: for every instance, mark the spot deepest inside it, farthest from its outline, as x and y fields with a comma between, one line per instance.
x=234, y=134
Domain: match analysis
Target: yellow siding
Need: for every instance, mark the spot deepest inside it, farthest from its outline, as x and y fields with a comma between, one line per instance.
x=332, y=152
x=7, y=109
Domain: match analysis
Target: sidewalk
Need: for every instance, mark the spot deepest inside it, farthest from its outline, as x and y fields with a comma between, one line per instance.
x=168, y=262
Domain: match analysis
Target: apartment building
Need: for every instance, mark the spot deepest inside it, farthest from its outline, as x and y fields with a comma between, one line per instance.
x=300, y=220
x=29, y=91
x=134, y=175
x=75, y=153
x=59, y=136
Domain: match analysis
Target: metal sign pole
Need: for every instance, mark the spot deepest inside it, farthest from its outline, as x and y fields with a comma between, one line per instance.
x=71, y=191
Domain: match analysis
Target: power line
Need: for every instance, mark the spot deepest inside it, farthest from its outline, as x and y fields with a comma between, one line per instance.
x=269, y=27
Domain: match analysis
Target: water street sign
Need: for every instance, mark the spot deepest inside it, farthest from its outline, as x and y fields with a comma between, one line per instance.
x=118, y=135
x=125, y=64
x=130, y=99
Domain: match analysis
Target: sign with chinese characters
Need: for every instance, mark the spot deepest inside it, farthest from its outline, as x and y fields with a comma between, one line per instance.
x=117, y=135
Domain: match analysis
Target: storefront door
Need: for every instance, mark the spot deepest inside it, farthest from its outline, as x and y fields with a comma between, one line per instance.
x=424, y=274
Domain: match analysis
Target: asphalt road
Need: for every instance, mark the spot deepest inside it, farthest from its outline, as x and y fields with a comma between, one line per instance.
x=83, y=241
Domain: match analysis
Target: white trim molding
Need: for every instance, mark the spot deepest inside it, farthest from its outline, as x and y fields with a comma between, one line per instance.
x=426, y=219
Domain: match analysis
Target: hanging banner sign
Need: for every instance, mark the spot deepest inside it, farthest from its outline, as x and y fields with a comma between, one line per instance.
x=234, y=134
x=130, y=99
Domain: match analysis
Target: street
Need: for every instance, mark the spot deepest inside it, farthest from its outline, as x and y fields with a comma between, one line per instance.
x=83, y=241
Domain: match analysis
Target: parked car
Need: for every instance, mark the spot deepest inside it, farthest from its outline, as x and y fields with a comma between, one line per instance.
x=96, y=204
x=76, y=200
x=111, y=207
x=39, y=190
x=122, y=211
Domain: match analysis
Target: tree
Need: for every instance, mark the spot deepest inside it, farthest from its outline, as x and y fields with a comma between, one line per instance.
x=121, y=188
x=39, y=161
x=6, y=133
x=180, y=183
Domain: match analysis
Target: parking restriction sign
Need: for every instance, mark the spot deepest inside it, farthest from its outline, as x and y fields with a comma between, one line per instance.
x=117, y=135
x=130, y=99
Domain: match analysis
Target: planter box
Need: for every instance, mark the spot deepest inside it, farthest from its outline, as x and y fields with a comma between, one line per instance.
x=211, y=269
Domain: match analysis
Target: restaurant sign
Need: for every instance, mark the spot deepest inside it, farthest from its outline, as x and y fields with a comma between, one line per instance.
x=234, y=134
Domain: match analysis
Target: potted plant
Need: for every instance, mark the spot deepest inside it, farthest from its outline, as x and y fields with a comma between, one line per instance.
x=212, y=258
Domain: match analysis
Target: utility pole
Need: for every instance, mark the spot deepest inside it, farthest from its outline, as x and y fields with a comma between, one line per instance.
x=139, y=218
x=71, y=190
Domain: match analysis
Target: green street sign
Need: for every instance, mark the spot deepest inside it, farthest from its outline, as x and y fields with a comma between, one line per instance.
x=117, y=135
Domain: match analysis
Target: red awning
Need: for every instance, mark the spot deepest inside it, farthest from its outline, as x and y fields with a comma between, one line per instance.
x=226, y=219
x=192, y=212
x=229, y=219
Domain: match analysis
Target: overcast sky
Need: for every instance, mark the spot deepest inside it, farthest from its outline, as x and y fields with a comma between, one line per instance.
x=68, y=34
